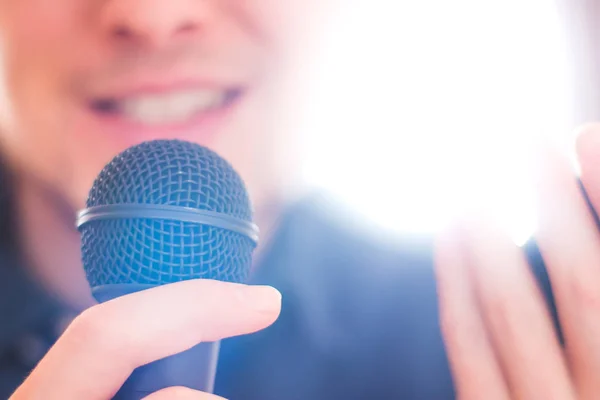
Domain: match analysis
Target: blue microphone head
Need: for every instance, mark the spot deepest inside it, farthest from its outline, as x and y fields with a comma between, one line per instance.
x=166, y=211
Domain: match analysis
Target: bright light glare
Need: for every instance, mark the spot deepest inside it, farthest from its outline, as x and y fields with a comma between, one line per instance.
x=421, y=110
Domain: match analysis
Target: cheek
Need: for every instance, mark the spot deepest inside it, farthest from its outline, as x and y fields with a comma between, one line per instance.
x=36, y=38
x=288, y=25
x=39, y=37
x=38, y=27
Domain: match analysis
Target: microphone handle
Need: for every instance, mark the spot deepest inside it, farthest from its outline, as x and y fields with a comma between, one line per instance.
x=194, y=368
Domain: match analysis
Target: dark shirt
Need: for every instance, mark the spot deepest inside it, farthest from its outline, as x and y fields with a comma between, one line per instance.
x=359, y=317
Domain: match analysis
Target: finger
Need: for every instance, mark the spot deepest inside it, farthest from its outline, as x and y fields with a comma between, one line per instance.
x=181, y=393
x=570, y=243
x=106, y=343
x=517, y=319
x=476, y=372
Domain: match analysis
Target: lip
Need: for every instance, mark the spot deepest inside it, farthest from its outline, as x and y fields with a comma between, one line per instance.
x=202, y=127
x=141, y=86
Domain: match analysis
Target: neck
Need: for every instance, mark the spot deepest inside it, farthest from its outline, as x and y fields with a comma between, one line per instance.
x=51, y=242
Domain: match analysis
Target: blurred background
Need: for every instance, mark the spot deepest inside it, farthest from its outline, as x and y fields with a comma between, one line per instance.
x=423, y=109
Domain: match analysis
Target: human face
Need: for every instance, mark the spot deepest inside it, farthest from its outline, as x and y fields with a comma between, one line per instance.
x=82, y=80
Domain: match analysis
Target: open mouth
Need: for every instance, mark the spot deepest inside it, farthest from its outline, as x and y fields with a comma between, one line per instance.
x=156, y=109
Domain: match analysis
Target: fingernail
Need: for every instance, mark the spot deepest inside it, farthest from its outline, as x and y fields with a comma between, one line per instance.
x=263, y=298
x=587, y=144
x=589, y=132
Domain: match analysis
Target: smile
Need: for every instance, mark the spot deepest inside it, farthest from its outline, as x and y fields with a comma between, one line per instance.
x=167, y=108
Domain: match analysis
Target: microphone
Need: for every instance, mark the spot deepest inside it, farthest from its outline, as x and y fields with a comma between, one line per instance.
x=161, y=212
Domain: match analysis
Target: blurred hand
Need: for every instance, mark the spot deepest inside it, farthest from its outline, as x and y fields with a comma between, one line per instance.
x=103, y=346
x=498, y=332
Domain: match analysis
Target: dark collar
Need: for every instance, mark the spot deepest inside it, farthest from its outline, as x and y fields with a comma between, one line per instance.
x=24, y=306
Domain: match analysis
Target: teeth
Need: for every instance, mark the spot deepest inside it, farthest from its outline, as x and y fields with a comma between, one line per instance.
x=172, y=107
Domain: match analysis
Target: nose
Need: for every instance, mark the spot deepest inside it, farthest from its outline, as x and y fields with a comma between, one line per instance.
x=154, y=22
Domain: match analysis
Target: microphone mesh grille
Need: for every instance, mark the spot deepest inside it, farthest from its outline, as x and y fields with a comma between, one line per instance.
x=159, y=251
x=172, y=172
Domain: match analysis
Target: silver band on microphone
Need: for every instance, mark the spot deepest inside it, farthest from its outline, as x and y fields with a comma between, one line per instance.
x=177, y=213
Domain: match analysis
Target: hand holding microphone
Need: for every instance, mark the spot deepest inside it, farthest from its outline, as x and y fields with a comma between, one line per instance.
x=103, y=346
x=167, y=239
